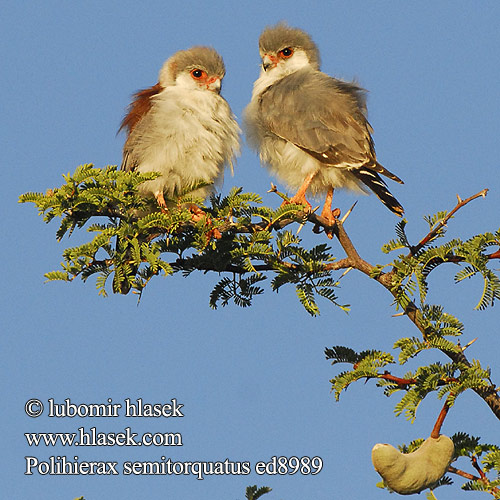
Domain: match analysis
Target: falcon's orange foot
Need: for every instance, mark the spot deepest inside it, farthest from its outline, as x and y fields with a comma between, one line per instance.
x=300, y=196
x=297, y=200
x=197, y=212
x=214, y=233
x=161, y=201
x=329, y=214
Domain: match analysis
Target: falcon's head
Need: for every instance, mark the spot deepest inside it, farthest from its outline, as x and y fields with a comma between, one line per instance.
x=198, y=68
x=284, y=50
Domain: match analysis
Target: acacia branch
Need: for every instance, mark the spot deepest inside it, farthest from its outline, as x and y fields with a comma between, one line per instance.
x=462, y=473
x=494, y=491
x=488, y=394
x=401, y=382
x=483, y=477
x=456, y=259
x=432, y=234
x=494, y=255
x=478, y=468
x=405, y=382
x=436, y=431
x=352, y=259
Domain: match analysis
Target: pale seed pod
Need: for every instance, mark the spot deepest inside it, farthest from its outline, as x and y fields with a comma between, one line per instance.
x=413, y=472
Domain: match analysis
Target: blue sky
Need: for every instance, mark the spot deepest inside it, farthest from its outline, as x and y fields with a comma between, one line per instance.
x=254, y=382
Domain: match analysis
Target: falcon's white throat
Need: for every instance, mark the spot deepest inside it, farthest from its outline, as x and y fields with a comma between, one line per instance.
x=285, y=67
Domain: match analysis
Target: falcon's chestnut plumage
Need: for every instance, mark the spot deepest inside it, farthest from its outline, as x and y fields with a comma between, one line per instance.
x=182, y=127
x=310, y=129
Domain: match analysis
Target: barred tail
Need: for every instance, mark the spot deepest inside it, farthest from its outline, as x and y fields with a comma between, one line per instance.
x=382, y=170
x=379, y=187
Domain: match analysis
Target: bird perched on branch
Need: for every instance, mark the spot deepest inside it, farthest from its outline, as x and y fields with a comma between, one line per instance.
x=182, y=127
x=310, y=129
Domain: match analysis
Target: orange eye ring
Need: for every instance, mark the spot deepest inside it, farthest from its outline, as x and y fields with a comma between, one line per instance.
x=198, y=74
x=286, y=52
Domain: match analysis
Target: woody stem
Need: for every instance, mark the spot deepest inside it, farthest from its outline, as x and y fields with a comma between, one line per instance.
x=442, y=415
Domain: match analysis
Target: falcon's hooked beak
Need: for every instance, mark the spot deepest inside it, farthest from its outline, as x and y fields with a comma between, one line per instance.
x=214, y=84
x=269, y=61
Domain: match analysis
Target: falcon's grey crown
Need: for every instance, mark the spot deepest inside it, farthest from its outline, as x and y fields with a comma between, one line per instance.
x=281, y=36
x=199, y=57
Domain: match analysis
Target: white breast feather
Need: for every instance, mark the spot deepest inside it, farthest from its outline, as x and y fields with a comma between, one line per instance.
x=190, y=137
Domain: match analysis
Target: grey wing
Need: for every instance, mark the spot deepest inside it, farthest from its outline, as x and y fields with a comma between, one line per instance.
x=137, y=142
x=321, y=115
x=127, y=162
x=132, y=146
x=327, y=119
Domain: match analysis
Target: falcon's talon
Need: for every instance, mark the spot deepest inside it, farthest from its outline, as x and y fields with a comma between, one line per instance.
x=198, y=213
x=213, y=233
x=303, y=202
x=161, y=201
x=332, y=223
x=162, y=204
x=329, y=233
x=331, y=216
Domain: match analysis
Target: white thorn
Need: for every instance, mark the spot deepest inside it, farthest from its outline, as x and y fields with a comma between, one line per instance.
x=348, y=213
x=345, y=272
x=469, y=344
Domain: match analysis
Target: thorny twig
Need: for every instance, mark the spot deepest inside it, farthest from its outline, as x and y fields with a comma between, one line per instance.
x=482, y=476
x=461, y=203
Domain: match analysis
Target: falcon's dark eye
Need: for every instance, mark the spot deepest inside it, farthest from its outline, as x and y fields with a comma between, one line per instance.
x=198, y=74
x=286, y=52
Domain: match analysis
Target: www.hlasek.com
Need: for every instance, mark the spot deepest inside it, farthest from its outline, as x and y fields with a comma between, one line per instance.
x=94, y=438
